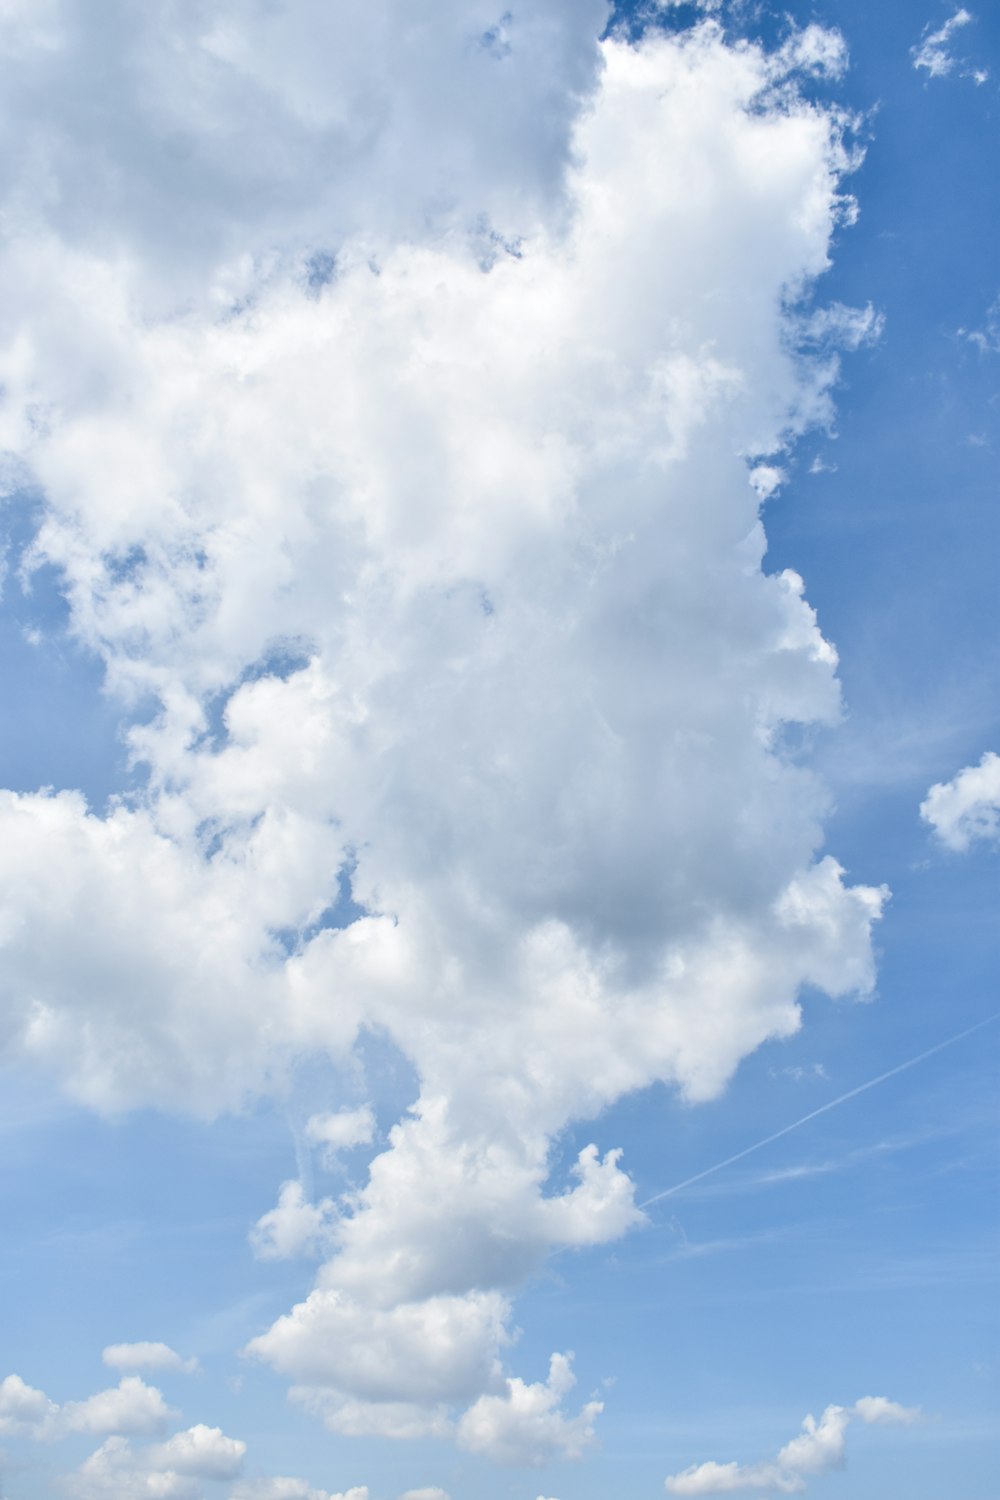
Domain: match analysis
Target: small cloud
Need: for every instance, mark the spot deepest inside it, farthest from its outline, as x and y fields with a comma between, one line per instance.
x=878, y=1410
x=147, y=1356
x=819, y=1447
x=527, y=1425
x=933, y=52
x=341, y=1131
x=132, y=1406
x=295, y=1227
x=204, y=1452
x=766, y=479
x=814, y=1070
x=987, y=338
x=281, y=1488
x=967, y=808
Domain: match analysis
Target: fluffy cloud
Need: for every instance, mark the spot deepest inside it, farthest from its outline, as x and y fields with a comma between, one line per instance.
x=164, y=1471
x=147, y=1356
x=196, y=138
x=821, y=1445
x=966, y=808
x=203, y=1451
x=132, y=1406
x=340, y=1131
x=526, y=1424
x=25, y=1410
x=291, y=1489
x=293, y=1227
x=432, y=1492
x=408, y=511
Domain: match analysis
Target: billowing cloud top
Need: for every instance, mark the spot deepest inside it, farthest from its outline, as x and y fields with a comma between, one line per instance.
x=967, y=808
x=398, y=474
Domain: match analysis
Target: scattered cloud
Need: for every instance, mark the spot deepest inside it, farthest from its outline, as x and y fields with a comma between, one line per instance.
x=130, y=1407
x=203, y=1451
x=987, y=338
x=527, y=1425
x=147, y=1356
x=25, y=1411
x=820, y=1446
x=934, y=52
x=967, y=808
x=294, y=1227
x=291, y=1489
x=340, y=1131
x=166, y=1471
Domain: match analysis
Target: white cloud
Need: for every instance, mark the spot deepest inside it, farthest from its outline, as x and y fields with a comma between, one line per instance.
x=446, y=581
x=164, y=1471
x=879, y=1411
x=432, y=1492
x=203, y=1451
x=132, y=1406
x=293, y=1227
x=291, y=1489
x=987, y=338
x=147, y=1355
x=820, y=1446
x=438, y=1348
x=527, y=1425
x=24, y=1411
x=933, y=52
x=967, y=808
x=116, y=1472
x=340, y=1130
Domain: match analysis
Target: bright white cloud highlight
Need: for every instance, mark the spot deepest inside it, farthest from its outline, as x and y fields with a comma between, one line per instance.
x=820, y=1446
x=293, y=1227
x=526, y=1425
x=165, y=1471
x=132, y=1406
x=25, y=1411
x=203, y=1451
x=966, y=809
x=291, y=1489
x=340, y=1131
x=407, y=507
x=147, y=1356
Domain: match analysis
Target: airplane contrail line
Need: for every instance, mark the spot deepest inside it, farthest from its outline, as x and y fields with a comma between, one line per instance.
x=862, y=1088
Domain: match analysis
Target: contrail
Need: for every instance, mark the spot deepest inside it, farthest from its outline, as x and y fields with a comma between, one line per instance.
x=833, y=1103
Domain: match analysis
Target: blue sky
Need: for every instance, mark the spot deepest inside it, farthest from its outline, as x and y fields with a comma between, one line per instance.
x=442, y=583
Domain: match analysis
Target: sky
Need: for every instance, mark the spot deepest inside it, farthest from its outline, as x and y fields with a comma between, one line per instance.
x=501, y=772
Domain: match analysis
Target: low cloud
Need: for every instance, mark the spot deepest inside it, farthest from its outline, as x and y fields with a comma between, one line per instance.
x=527, y=1425
x=819, y=1447
x=405, y=510
x=966, y=810
x=130, y=1407
x=147, y=1356
x=294, y=1227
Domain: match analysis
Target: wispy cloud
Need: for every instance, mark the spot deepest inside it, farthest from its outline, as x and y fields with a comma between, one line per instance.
x=933, y=53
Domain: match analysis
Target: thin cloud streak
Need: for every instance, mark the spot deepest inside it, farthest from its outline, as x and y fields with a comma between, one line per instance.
x=862, y=1088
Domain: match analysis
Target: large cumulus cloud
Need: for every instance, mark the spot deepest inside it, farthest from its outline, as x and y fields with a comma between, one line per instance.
x=392, y=405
